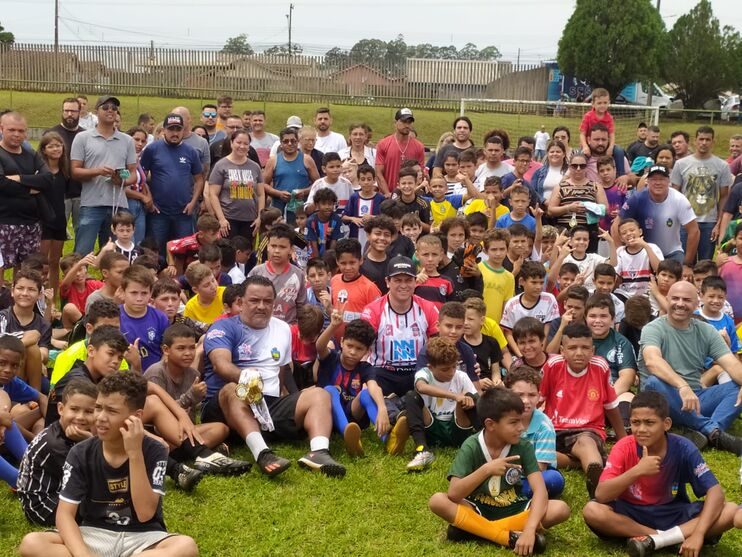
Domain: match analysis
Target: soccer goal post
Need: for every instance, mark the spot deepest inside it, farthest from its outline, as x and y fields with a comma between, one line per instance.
x=521, y=118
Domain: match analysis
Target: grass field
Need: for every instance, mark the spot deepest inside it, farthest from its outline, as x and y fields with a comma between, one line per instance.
x=43, y=110
x=376, y=510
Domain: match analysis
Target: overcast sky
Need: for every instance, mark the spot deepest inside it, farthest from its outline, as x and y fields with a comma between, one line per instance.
x=533, y=26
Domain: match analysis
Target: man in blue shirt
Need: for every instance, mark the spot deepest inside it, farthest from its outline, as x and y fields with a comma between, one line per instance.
x=176, y=181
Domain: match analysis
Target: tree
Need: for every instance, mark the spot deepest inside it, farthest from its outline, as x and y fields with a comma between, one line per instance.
x=610, y=44
x=238, y=45
x=336, y=58
x=6, y=37
x=369, y=51
x=490, y=53
x=701, y=58
x=296, y=48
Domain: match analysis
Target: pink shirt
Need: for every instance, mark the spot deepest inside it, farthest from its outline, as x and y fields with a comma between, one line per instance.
x=392, y=153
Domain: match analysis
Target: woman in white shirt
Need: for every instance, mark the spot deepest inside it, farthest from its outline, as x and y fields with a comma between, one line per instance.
x=547, y=178
x=358, y=151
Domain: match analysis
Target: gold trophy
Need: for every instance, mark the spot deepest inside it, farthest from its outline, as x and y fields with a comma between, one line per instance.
x=250, y=387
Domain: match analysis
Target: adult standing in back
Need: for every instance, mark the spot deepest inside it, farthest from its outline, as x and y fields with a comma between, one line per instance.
x=68, y=128
x=328, y=141
x=100, y=159
x=705, y=180
x=261, y=140
x=176, y=182
x=541, y=138
x=462, y=128
x=88, y=120
x=396, y=148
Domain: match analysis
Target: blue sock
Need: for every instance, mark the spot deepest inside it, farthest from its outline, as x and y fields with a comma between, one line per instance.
x=15, y=442
x=7, y=473
x=372, y=411
x=339, y=420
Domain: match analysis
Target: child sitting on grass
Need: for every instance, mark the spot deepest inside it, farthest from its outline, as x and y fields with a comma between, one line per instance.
x=485, y=498
x=318, y=291
x=206, y=306
x=76, y=286
x=41, y=470
x=357, y=399
x=486, y=349
x=111, y=266
x=668, y=273
x=304, y=334
x=440, y=411
x=183, y=251
x=96, y=466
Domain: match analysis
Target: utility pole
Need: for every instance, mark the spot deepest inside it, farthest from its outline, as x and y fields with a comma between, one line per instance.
x=517, y=63
x=651, y=85
x=291, y=9
x=56, y=25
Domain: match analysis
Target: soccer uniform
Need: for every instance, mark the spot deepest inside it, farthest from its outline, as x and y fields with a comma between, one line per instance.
x=130, y=253
x=577, y=401
x=466, y=364
x=400, y=339
x=723, y=323
x=342, y=188
x=40, y=475
x=441, y=210
x=323, y=233
x=9, y=325
x=418, y=206
x=205, y=315
x=149, y=329
x=617, y=351
x=498, y=496
x=438, y=290
x=360, y=207
x=443, y=429
x=660, y=501
x=487, y=354
x=586, y=265
x=186, y=247
x=545, y=310
x=507, y=220
x=291, y=290
x=349, y=382
x=480, y=206
x=634, y=270
x=499, y=286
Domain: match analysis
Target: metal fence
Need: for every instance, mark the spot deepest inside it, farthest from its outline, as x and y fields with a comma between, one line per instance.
x=206, y=74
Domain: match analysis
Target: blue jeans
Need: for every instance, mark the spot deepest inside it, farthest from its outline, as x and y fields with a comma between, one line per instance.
x=717, y=405
x=164, y=228
x=705, y=245
x=95, y=222
x=137, y=209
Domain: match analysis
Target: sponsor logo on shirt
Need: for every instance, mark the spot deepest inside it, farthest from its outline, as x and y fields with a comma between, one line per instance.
x=701, y=469
x=215, y=333
x=560, y=394
x=183, y=160
x=244, y=351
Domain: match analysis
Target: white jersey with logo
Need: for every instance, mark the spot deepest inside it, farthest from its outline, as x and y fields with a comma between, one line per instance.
x=443, y=408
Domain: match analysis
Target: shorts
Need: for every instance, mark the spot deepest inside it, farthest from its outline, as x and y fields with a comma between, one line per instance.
x=394, y=382
x=52, y=234
x=566, y=439
x=446, y=433
x=112, y=543
x=659, y=517
x=18, y=241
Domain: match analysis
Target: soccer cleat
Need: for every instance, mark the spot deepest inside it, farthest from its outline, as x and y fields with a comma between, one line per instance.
x=223, y=448
x=640, y=546
x=539, y=542
x=422, y=460
x=271, y=464
x=398, y=436
x=221, y=465
x=697, y=438
x=725, y=442
x=352, y=436
x=454, y=534
x=321, y=461
x=187, y=478
x=592, y=475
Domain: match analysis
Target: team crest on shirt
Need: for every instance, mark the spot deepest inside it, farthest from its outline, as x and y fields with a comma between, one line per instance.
x=275, y=354
x=668, y=223
x=442, y=290
x=389, y=330
x=355, y=385
x=364, y=210
x=343, y=296
x=244, y=351
x=151, y=334
x=593, y=394
x=512, y=476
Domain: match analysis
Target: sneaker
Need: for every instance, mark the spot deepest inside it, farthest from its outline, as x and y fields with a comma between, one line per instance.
x=539, y=543
x=697, y=438
x=592, y=475
x=321, y=461
x=422, y=460
x=398, y=436
x=454, y=534
x=187, y=478
x=352, y=436
x=640, y=546
x=271, y=464
x=725, y=442
x=221, y=465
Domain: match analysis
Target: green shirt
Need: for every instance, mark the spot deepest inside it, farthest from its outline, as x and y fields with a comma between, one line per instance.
x=685, y=350
x=617, y=351
x=499, y=496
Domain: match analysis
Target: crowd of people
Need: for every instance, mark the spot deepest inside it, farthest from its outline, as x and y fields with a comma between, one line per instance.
x=536, y=305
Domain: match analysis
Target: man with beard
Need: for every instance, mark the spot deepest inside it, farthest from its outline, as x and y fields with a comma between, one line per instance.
x=598, y=139
x=462, y=128
x=100, y=159
x=705, y=180
x=396, y=148
x=328, y=141
x=208, y=120
x=255, y=341
x=68, y=129
x=679, y=141
x=260, y=139
x=672, y=357
x=646, y=148
x=176, y=181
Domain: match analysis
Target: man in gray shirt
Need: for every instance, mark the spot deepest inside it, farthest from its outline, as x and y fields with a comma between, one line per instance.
x=705, y=180
x=672, y=354
x=100, y=159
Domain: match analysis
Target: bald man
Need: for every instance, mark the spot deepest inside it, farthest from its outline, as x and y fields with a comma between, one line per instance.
x=672, y=356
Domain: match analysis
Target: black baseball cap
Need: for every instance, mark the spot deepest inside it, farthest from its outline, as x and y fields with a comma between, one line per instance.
x=404, y=114
x=172, y=121
x=106, y=99
x=400, y=265
x=659, y=169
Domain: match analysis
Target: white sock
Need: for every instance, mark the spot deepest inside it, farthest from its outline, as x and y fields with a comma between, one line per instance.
x=318, y=443
x=723, y=377
x=255, y=443
x=666, y=538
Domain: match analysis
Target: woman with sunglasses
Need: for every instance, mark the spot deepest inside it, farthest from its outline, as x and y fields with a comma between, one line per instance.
x=566, y=201
x=289, y=173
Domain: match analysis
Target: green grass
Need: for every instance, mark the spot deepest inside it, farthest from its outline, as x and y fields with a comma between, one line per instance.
x=377, y=509
x=43, y=110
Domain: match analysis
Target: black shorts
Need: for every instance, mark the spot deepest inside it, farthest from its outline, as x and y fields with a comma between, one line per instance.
x=53, y=234
x=211, y=411
x=393, y=382
x=566, y=439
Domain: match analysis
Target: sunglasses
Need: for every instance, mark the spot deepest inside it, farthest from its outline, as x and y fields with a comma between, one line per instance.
x=580, y=166
x=288, y=141
x=209, y=114
x=108, y=106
